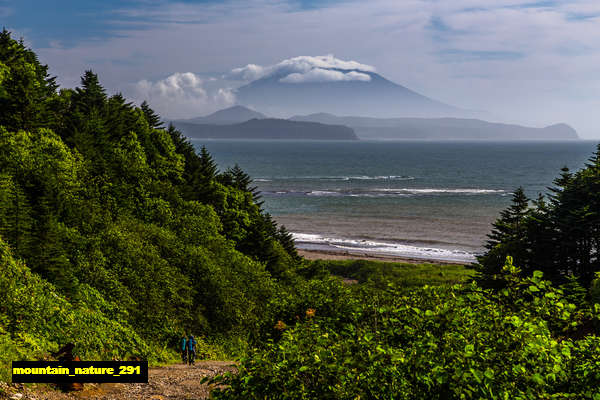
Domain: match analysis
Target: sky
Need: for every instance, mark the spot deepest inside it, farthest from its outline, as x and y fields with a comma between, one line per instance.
x=520, y=61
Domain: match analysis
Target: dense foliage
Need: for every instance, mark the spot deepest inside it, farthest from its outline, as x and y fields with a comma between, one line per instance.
x=35, y=316
x=113, y=213
x=527, y=341
x=559, y=235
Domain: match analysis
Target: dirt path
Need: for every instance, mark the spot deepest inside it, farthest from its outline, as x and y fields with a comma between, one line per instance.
x=172, y=382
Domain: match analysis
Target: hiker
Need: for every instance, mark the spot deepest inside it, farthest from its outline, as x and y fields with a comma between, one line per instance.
x=183, y=348
x=191, y=349
x=65, y=354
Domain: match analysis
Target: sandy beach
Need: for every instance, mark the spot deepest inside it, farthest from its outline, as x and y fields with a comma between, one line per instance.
x=345, y=255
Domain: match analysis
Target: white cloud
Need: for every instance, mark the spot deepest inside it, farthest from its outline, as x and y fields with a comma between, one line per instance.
x=181, y=95
x=225, y=96
x=325, y=75
x=250, y=72
x=357, y=76
x=180, y=84
x=305, y=63
x=305, y=69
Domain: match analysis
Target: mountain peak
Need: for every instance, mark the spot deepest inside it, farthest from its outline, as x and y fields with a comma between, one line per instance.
x=345, y=92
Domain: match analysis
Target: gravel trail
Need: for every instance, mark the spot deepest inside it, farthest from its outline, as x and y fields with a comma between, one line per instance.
x=171, y=382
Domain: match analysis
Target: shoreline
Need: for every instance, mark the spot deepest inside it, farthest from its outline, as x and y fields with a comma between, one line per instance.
x=347, y=255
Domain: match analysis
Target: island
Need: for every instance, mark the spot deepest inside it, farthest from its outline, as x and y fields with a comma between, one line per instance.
x=268, y=128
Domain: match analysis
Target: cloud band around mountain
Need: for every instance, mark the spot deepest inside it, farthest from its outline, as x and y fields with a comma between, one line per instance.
x=325, y=75
x=306, y=69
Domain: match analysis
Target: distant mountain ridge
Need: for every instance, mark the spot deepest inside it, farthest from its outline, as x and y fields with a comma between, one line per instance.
x=441, y=128
x=230, y=123
x=268, y=128
x=231, y=115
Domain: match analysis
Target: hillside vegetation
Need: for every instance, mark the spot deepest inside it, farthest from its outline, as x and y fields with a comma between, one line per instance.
x=117, y=236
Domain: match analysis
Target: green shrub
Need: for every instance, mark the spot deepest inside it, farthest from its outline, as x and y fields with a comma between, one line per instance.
x=461, y=342
x=35, y=319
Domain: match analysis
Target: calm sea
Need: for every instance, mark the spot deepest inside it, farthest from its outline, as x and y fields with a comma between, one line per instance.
x=432, y=200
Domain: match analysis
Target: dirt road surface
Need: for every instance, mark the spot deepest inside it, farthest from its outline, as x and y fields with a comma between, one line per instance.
x=172, y=382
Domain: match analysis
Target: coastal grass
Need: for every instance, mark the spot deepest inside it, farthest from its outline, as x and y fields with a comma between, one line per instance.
x=400, y=274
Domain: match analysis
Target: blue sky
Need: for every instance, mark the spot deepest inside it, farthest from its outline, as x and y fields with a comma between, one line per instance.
x=524, y=61
x=65, y=21
x=70, y=22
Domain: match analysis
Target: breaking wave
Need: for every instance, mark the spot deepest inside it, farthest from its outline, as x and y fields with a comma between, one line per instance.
x=339, y=178
x=305, y=240
x=387, y=192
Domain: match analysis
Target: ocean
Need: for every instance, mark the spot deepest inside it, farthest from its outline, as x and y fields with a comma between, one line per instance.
x=415, y=199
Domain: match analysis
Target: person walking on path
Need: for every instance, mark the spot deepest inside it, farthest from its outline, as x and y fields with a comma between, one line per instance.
x=191, y=350
x=183, y=348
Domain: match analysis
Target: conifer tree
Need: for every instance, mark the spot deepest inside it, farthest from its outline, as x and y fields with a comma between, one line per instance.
x=192, y=175
x=560, y=236
x=593, y=162
x=508, y=238
x=237, y=178
x=26, y=86
x=576, y=218
x=87, y=126
x=207, y=166
x=91, y=95
x=153, y=119
x=120, y=120
x=560, y=183
x=201, y=176
x=16, y=220
x=287, y=241
x=541, y=239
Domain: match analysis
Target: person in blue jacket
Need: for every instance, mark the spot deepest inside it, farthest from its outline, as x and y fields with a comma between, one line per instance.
x=191, y=346
x=183, y=348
